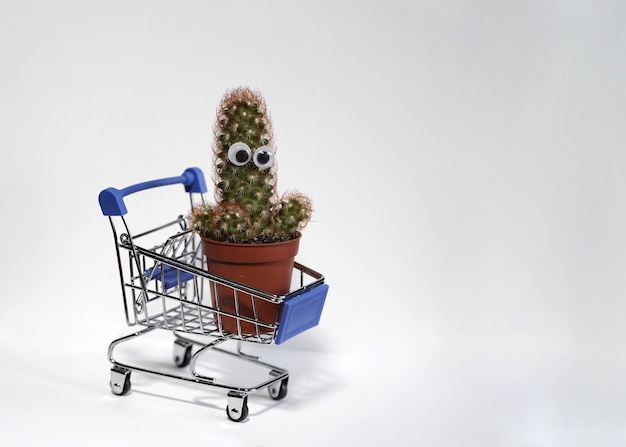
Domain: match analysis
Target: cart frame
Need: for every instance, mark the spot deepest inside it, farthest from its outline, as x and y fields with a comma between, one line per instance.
x=167, y=286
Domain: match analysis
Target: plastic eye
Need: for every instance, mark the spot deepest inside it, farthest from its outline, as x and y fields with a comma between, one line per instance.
x=239, y=154
x=264, y=157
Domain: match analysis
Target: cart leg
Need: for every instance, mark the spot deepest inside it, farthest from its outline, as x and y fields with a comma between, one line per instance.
x=120, y=381
x=237, y=409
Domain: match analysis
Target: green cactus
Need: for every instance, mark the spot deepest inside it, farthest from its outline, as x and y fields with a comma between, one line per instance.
x=248, y=209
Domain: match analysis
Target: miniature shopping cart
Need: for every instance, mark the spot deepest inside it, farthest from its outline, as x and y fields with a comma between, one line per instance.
x=166, y=285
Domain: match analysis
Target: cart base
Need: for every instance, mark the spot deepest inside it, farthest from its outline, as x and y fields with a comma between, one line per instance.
x=184, y=357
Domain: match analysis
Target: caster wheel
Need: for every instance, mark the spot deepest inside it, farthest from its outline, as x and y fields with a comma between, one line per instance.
x=182, y=353
x=237, y=408
x=120, y=381
x=278, y=391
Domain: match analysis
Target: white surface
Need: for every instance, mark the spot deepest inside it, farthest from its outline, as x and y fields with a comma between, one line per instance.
x=467, y=166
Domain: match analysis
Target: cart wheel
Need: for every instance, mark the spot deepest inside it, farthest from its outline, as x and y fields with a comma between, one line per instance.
x=278, y=390
x=237, y=408
x=182, y=353
x=120, y=381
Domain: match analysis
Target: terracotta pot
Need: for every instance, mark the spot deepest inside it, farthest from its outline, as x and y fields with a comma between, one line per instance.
x=266, y=267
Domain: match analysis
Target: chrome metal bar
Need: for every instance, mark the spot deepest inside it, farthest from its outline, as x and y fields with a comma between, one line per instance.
x=160, y=227
x=199, y=380
x=236, y=298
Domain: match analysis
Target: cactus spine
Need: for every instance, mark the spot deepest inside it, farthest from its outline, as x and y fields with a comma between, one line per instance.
x=247, y=208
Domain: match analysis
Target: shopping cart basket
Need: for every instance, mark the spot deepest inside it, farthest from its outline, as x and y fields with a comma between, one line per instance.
x=165, y=285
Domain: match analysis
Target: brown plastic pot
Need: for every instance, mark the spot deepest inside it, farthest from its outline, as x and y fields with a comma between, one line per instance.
x=267, y=267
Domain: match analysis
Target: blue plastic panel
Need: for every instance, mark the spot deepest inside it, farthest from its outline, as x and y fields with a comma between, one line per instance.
x=301, y=313
x=170, y=276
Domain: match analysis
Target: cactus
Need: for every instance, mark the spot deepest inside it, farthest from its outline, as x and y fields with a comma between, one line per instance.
x=247, y=208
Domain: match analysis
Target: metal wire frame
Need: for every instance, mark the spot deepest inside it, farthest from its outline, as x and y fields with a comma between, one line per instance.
x=168, y=286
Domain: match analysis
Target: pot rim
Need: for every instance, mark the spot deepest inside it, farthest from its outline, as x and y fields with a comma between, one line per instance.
x=248, y=244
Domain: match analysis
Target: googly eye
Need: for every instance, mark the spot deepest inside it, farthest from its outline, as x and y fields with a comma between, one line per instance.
x=239, y=154
x=264, y=157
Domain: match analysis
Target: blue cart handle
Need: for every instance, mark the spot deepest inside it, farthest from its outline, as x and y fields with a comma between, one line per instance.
x=112, y=199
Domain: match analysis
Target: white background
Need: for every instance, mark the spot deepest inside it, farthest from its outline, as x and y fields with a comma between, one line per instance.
x=467, y=166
